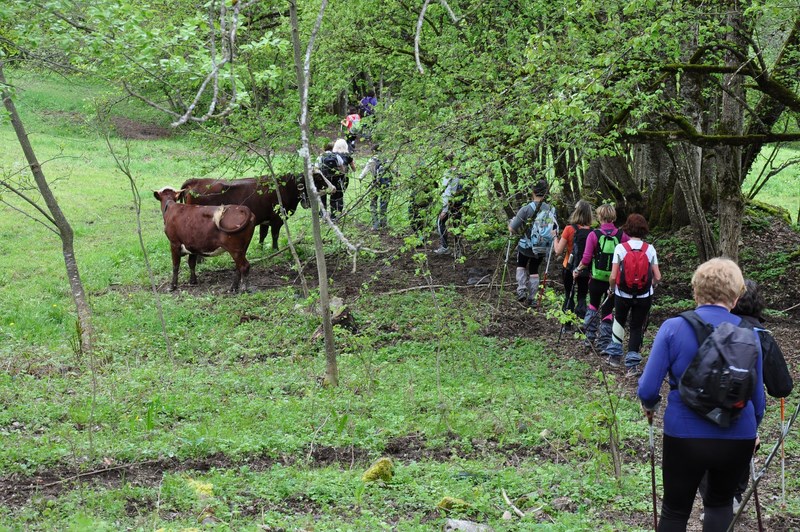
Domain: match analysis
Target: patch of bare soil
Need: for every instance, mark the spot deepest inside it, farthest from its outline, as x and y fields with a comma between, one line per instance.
x=135, y=130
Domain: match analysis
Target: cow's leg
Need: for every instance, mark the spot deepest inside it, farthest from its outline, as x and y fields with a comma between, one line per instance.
x=192, y=266
x=262, y=234
x=276, y=231
x=242, y=268
x=176, y=264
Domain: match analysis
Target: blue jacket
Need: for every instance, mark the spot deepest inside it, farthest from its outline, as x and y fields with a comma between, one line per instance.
x=673, y=349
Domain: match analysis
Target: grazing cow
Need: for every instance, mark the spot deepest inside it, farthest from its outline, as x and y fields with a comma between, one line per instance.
x=199, y=230
x=257, y=193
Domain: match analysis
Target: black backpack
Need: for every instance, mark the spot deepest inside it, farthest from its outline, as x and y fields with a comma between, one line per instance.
x=720, y=379
x=578, y=245
x=329, y=164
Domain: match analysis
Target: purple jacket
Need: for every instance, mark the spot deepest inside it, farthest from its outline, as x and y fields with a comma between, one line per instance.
x=591, y=242
x=673, y=349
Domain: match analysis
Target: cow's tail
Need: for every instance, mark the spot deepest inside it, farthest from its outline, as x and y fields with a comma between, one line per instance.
x=219, y=214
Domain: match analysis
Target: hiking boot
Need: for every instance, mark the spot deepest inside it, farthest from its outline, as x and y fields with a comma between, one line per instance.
x=522, y=294
x=633, y=371
x=441, y=250
x=615, y=361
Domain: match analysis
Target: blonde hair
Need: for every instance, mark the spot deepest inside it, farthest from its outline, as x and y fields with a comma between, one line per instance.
x=582, y=215
x=718, y=282
x=340, y=146
x=606, y=213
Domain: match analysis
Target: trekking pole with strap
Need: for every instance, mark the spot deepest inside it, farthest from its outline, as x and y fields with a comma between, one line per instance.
x=783, y=453
x=505, y=270
x=757, y=476
x=755, y=494
x=569, y=298
x=650, y=415
x=546, y=268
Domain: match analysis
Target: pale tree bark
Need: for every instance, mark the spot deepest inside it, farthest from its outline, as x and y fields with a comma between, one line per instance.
x=303, y=68
x=729, y=158
x=57, y=218
x=687, y=161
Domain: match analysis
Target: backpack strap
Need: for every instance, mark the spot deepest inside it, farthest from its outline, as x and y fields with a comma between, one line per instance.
x=701, y=329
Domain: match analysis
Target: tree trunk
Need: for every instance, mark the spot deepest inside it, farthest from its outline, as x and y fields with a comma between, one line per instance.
x=687, y=161
x=729, y=158
x=57, y=218
x=303, y=67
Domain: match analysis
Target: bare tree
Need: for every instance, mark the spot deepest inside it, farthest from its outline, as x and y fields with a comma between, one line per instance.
x=303, y=68
x=54, y=216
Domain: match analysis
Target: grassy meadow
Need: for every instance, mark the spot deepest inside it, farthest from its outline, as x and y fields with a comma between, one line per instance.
x=234, y=431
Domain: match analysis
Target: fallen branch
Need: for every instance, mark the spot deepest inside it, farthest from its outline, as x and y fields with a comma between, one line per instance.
x=87, y=474
x=511, y=504
x=791, y=308
x=427, y=286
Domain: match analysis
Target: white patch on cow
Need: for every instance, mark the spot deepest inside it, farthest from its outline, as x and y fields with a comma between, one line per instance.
x=218, y=251
x=218, y=215
x=164, y=189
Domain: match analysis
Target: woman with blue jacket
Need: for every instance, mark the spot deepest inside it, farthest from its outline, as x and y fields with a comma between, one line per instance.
x=694, y=445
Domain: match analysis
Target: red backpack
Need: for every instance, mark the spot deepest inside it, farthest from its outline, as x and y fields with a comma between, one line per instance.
x=635, y=271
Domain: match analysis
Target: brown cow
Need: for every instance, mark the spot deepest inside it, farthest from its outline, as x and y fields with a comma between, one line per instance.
x=199, y=230
x=257, y=193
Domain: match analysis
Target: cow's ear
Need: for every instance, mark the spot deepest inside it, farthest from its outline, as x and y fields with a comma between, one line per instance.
x=157, y=194
x=181, y=194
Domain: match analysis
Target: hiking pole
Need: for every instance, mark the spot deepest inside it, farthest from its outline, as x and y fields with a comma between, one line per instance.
x=755, y=494
x=505, y=270
x=569, y=298
x=783, y=454
x=546, y=269
x=649, y=414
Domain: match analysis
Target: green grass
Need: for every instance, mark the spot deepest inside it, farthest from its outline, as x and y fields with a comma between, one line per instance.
x=782, y=189
x=489, y=414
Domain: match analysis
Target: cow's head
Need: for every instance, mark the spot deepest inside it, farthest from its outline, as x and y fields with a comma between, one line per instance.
x=167, y=194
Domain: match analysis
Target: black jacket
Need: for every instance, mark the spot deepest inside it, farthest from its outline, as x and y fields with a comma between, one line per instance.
x=776, y=375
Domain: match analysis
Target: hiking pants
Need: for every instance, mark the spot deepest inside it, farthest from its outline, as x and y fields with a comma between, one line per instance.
x=532, y=263
x=685, y=461
x=441, y=225
x=378, y=204
x=638, y=309
x=581, y=290
x=597, y=292
x=337, y=198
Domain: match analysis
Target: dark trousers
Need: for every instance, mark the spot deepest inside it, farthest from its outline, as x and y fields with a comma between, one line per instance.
x=532, y=263
x=337, y=198
x=685, y=461
x=597, y=292
x=638, y=309
x=581, y=290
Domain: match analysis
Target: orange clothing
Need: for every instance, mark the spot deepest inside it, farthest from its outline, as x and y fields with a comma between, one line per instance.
x=569, y=235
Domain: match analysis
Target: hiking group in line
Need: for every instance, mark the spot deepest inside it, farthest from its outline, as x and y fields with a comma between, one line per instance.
x=709, y=440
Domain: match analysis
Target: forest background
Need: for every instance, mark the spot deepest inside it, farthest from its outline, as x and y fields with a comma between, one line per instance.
x=681, y=112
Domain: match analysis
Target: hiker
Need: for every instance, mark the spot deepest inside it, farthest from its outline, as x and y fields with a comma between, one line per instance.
x=693, y=444
x=631, y=295
x=453, y=199
x=777, y=378
x=537, y=219
x=599, y=255
x=380, y=191
x=340, y=148
x=332, y=166
x=572, y=243
x=352, y=122
x=368, y=103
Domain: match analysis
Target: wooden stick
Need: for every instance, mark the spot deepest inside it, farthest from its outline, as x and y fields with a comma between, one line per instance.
x=511, y=504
